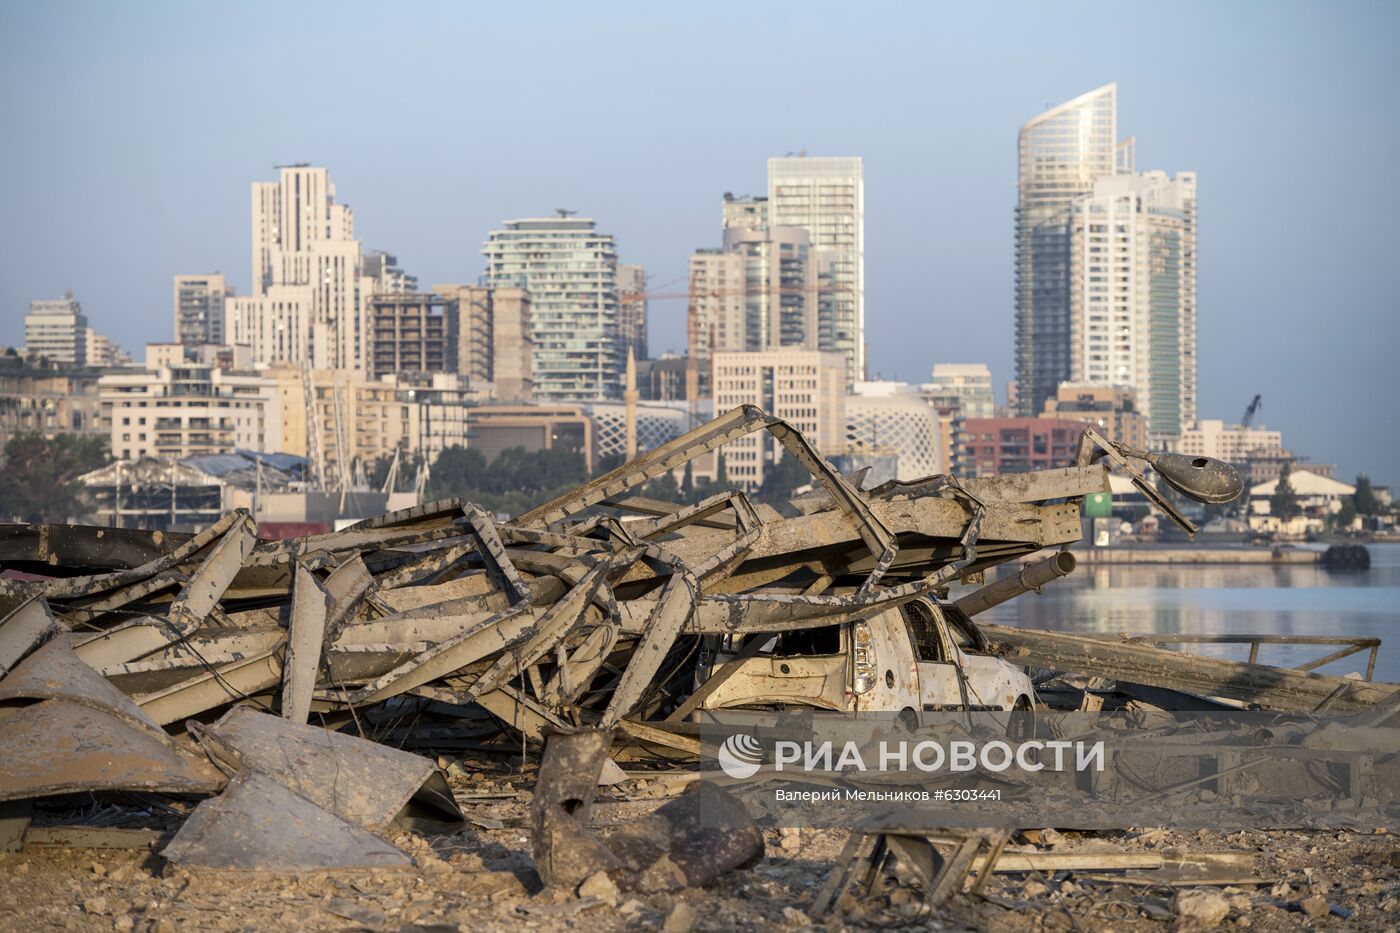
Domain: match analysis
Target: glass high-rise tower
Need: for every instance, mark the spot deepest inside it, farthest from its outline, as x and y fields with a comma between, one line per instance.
x=1062, y=153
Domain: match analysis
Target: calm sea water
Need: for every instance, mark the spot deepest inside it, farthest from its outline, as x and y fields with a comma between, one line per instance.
x=1228, y=600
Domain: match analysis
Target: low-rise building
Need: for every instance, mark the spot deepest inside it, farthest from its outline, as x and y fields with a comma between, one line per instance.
x=891, y=418
x=806, y=388
x=39, y=396
x=182, y=494
x=1017, y=445
x=173, y=408
x=1232, y=443
x=1111, y=410
x=355, y=421
x=494, y=428
x=657, y=423
x=1317, y=496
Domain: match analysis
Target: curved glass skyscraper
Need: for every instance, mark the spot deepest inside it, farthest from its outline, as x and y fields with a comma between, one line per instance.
x=1062, y=152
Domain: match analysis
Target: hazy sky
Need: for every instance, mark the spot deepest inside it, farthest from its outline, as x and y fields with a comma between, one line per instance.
x=131, y=133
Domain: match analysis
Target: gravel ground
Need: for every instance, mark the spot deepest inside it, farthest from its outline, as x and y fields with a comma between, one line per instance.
x=483, y=878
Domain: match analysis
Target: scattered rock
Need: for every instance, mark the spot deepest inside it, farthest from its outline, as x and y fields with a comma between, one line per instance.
x=1207, y=908
x=1033, y=888
x=1051, y=837
x=611, y=774
x=680, y=919
x=662, y=875
x=599, y=885
x=1315, y=906
x=795, y=918
x=95, y=905
x=434, y=867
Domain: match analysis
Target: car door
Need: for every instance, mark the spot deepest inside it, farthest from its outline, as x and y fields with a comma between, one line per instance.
x=936, y=658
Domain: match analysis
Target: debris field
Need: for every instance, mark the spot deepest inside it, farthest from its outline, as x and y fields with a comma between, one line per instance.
x=435, y=719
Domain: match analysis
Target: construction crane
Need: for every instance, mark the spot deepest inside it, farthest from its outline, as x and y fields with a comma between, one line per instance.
x=1241, y=510
x=315, y=445
x=732, y=292
x=1248, y=418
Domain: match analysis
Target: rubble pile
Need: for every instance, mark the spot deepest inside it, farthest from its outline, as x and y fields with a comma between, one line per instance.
x=219, y=693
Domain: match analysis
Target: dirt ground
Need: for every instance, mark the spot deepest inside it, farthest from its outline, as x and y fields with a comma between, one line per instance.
x=483, y=878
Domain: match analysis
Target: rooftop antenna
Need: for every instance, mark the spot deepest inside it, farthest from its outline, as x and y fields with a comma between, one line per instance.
x=564, y=212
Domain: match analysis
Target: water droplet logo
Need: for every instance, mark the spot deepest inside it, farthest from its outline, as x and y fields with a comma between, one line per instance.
x=740, y=756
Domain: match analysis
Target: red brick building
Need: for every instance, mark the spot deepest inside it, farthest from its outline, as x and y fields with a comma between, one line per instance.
x=1017, y=445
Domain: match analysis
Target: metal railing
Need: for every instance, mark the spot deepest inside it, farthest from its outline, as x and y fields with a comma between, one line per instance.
x=1351, y=645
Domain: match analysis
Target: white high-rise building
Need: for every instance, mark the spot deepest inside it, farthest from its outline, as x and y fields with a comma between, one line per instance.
x=826, y=197
x=1133, y=294
x=57, y=329
x=570, y=271
x=1063, y=152
x=310, y=295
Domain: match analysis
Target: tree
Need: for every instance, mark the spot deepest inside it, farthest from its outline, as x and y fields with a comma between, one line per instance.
x=664, y=488
x=1346, y=514
x=516, y=481
x=608, y=462
x=1284, y=502
x=781, y=479
x=688, y=484
x=378, y=472
x=456, y=471
x=1365, y=497
x=41, y=475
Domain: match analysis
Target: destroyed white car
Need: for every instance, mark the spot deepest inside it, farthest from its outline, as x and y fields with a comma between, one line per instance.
x=921, y=656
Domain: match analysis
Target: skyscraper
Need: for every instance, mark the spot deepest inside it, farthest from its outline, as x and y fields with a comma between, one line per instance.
x=199, y=308
x=310, y=296
x=1133, y=294
x=760, y=291
x=570, y=271
x=1062, y=153
x=826, y=197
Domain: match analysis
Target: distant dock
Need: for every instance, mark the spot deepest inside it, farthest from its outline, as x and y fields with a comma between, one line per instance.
x=1343, y=556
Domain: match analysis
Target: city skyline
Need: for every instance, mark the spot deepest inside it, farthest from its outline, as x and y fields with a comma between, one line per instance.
x=1281, y=238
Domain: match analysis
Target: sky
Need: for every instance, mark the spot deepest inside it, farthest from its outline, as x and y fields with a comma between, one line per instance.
x=131, y=134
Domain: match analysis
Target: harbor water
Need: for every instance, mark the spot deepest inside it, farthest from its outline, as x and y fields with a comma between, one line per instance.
x=1224, y=599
